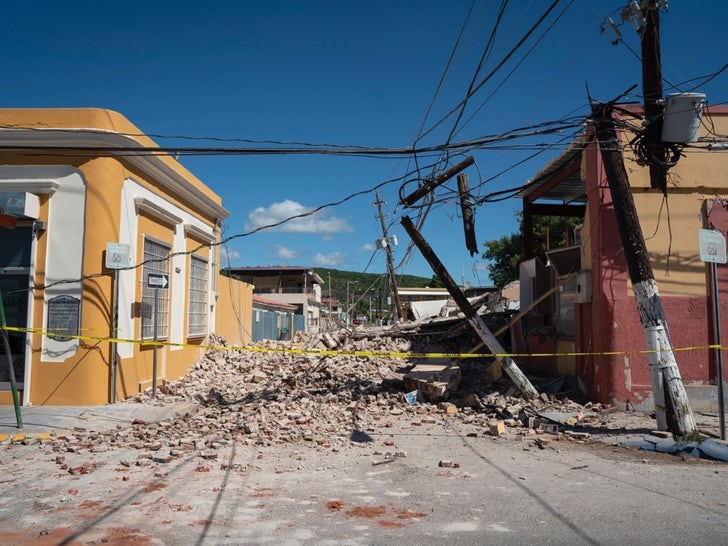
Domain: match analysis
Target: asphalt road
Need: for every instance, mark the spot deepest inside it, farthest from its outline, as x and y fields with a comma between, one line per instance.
x=385, y=488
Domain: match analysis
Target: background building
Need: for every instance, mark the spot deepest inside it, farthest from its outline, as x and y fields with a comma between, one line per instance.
x=299, y=286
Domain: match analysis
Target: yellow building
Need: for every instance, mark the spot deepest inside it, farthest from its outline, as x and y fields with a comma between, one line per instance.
x=87, y=198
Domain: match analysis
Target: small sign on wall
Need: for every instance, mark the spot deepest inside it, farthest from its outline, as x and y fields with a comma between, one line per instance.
x=118, y=255
x=712, y=246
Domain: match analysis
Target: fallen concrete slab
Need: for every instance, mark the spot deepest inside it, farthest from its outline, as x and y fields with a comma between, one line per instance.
x=435, y=381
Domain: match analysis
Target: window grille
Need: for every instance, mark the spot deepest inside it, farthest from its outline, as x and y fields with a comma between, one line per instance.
x=197, y=299
x=156, y=260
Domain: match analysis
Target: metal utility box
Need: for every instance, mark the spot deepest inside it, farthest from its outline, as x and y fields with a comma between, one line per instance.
x=682, y=116
x=583, y=287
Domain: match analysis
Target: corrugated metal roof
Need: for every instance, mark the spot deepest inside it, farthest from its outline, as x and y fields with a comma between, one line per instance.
x=569, y=190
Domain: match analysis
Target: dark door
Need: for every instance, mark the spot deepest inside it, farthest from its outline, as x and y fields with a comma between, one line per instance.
x=15, y=250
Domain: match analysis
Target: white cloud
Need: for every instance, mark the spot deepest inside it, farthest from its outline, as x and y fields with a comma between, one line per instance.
x=228, y=255
x=320, y=223
x=286, y=253
x=329, y=260
x=367, y=247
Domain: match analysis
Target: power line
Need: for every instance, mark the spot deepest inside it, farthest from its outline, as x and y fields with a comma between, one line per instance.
x=486, y=51
x=505, y=59
x=512, y=71
x=540, y=129
x=222, y=242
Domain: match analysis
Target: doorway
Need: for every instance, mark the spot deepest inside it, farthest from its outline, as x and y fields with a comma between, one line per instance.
x=15, y=262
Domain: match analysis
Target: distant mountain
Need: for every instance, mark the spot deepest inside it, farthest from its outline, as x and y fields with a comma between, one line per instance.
x=363, y=287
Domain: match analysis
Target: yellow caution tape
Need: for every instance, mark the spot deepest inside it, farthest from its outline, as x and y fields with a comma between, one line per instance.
x=366, y=354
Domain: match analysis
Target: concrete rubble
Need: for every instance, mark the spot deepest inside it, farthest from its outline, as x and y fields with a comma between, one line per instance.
x=283, y=392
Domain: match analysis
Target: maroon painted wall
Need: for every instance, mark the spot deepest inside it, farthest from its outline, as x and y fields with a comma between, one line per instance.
x=610, y=323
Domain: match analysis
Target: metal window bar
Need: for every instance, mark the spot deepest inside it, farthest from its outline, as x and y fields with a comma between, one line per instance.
x=197, y=300
x=156, y=260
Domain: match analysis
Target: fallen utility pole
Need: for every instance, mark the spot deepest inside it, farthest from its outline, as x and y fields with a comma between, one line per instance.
x=431, y=183
x=519, y=379
x=672, y=407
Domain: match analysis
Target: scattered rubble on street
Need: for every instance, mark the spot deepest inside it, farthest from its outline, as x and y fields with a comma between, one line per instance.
x=281, y=392
x=259, y=433
x=286, y=392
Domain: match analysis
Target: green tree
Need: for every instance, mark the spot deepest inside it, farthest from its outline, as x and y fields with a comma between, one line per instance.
x=436, y=282
x=503, y=257
x=505, y=254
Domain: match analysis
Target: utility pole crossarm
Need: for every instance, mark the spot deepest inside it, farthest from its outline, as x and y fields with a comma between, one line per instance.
x=431, y=183
x=466, y=207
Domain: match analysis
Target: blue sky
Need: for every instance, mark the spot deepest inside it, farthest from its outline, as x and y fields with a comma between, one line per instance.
x=346, y=73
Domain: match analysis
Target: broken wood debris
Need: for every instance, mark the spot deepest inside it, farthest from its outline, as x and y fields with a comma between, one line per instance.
x=327, y=402
x=510, y=367
x=466, y=207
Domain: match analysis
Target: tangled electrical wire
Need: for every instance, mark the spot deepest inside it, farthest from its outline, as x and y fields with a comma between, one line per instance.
x=650, y=151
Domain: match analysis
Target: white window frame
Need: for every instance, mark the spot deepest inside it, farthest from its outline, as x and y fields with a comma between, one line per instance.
x=197, y=297
x=155, y=260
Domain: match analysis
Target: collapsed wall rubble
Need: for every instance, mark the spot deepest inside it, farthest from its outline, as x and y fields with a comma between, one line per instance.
x=331, y=392
x=283, y=392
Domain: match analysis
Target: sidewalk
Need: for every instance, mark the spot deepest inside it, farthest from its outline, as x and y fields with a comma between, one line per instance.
x=46, y=420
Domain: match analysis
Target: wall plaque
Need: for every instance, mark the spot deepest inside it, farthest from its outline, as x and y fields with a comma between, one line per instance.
x=63, y=317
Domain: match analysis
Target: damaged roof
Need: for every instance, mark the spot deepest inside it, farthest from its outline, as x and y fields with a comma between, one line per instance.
x=560, y=180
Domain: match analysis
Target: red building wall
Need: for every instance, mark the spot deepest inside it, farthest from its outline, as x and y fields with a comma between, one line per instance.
x=609, y=327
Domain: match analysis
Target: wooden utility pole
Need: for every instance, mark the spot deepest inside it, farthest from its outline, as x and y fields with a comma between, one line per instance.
x=348, y=304
x=672, y=407
x=390, y=267
x=652, y=93
x=519, y=379
x=466, y=207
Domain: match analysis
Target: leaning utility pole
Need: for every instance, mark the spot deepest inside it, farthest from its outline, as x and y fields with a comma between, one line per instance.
x=390, y=267
x=672, y=407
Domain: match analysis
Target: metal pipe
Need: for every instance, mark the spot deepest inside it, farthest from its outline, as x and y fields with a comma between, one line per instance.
x=154, y=353
x=717, y=345
x=115, y=329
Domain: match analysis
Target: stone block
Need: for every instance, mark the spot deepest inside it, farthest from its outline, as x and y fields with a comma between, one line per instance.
x=493, y=373
x=434, y=381
x=497, y=428
x=450, y=409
